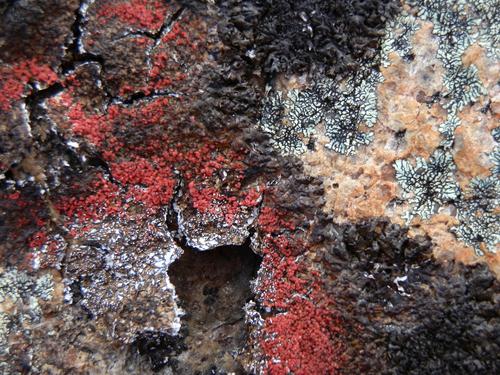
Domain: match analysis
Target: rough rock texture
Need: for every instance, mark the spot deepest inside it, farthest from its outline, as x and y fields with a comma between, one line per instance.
x=426, y=154
x=263, y=187
x=425, y=317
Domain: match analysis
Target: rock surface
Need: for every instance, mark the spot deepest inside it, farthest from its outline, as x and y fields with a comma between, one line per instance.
x=268, y=187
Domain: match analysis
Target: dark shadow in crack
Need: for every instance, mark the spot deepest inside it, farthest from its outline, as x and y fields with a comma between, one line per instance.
x=213, y=286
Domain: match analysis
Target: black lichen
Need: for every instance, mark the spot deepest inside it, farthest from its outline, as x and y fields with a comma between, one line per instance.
x=408, y=313
x=293, y=36
x=158, y=347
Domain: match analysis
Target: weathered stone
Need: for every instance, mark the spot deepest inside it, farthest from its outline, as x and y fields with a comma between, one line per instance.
x=149, y=147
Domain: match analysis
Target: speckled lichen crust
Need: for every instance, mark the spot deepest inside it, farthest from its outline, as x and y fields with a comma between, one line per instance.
x=478, y=214
x=427, y=185
x=110, y=276
x=398, y=37
x=343, y=108
x=20, y=296
x=457, y=25
x=137, y=139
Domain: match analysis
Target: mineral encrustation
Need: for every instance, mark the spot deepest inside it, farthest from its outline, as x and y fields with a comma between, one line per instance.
x=249, y=187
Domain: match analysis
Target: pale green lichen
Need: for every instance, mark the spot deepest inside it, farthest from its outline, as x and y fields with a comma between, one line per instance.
x=24, y=293
x=398, y=37
x=488, y=14
x=283, y=136
x=447, y=130
x=355, y=105
x=479, y=222
x=495, y=155
x=463, y=87
x=457, y=26
x=463, y=22
x=428, y=185
x=342, y=107
x=4, y=330
x=305, y=110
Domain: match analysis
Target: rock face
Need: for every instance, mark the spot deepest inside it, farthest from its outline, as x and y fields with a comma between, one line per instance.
x=263, y=187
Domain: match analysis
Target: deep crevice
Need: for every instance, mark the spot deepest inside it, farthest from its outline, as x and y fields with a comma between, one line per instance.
x=140, y=95
x=213, y=287
x=156, y=36
x=74, y=54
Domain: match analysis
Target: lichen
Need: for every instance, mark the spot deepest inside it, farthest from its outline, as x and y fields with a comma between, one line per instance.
x=291, y=36
x=478, y=210
x=447, y=130
x=488, y=14
x=16, y=286
x=479, y=223
x=463, y=87
x=283, y=136
x=305, y=110
x=429, y=184
x=495, y=155
x=22, y=293
x=354, y=106
x=121, y=264
x=457, y=25
x=398, y=38
x=417, y=315
x=342, y=107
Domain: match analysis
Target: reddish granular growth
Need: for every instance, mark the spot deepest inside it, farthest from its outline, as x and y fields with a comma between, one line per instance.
x=280, y=282
x=211, y=200
x=27, y=219
x=302, y=340
x=208, y=194
x=178, y=36
x=135, y=142
x=13, y=80
x=149, y=183
x=172, y=61
x=148, y=14
x=100, y=199
x=37, y=239
x=94, y=128
x=305, y=334
x=271, y=221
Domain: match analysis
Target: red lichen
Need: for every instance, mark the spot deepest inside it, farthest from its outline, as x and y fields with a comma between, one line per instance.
x=150, y=148
x=14, y=80
x=141, y=155
x=303, y=340
x=27, y=217
x=304, y=335
x=96, y=201
x=147, y=14
x=150, y=183
x=171, y=61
